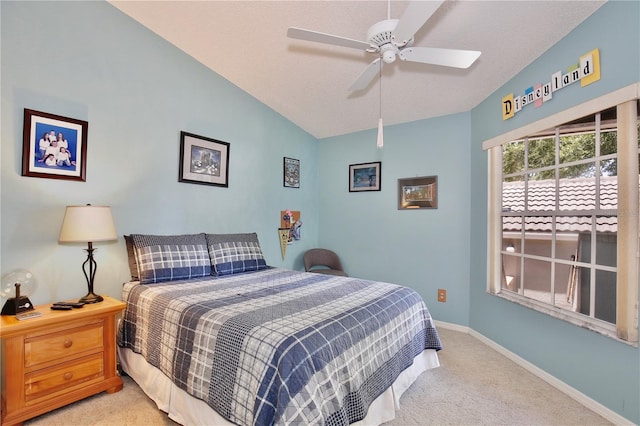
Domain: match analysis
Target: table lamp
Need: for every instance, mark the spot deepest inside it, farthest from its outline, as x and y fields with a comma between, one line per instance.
x=88, y=224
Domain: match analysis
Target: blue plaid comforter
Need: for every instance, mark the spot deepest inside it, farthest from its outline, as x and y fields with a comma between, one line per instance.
x=279, y=346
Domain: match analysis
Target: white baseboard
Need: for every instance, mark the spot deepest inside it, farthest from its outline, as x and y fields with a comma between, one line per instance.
x=583, y=399
x=451, y=326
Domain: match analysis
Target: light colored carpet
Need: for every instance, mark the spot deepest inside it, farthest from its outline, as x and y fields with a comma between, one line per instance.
x=474, y=385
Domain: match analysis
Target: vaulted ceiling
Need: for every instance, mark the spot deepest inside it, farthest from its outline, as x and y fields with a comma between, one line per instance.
x=246, y=43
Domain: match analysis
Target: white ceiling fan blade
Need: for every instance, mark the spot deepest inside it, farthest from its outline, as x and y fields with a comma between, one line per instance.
x=367, y=75
x=445, y=57
x=413, y=18
x=318, y=37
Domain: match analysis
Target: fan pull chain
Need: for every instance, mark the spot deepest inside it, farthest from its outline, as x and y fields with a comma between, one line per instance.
x=380, y=142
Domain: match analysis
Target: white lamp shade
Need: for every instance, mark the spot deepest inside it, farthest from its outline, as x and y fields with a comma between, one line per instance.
x=87, y=224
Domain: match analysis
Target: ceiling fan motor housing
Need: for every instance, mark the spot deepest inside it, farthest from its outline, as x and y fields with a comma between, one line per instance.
x=380, y=34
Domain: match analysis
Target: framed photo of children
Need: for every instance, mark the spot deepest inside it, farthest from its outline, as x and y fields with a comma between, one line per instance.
x=54, y=146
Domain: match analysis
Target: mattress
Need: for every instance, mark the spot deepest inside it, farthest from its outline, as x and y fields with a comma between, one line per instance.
x=277, y=346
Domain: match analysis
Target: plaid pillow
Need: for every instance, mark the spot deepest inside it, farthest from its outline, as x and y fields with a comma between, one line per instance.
x=131, y=256
x=170, y=257
x=235, y=253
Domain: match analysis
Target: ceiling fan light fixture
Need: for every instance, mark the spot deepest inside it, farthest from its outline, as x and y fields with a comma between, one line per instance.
x=389, y=56
x=380, y=140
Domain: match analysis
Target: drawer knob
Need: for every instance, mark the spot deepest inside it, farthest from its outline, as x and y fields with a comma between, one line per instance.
x=68, y=376
x=68, y=343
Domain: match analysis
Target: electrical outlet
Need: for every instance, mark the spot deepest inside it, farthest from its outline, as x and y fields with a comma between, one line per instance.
x=442, y=295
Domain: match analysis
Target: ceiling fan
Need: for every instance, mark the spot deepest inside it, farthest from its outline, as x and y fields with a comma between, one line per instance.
x=393, y=38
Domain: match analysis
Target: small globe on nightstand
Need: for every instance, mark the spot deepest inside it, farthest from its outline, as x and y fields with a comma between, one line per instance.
x=15, y=287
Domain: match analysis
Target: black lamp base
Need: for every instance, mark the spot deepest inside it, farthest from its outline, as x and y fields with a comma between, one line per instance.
x=91, y=298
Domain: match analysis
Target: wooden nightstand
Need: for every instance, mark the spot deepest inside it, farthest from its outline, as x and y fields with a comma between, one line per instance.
x=57, y=358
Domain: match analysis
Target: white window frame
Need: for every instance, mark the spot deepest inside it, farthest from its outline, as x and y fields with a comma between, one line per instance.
x=628, y=249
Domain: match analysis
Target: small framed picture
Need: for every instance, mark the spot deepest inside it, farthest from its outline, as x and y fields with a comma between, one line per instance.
x=291, y=172
x=365, y=177
x=418, y=193
x=203, y=160
x=54, y=147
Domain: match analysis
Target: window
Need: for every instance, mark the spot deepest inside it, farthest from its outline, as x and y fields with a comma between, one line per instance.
x=563, y=231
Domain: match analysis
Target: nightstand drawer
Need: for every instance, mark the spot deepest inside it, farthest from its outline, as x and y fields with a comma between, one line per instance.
x=47, y=381
x=63, y=344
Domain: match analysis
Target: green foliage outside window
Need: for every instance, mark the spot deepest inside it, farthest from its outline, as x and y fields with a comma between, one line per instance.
x=573, y=148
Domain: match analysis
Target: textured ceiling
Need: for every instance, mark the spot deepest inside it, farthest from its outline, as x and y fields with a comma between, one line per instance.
x=246, y=43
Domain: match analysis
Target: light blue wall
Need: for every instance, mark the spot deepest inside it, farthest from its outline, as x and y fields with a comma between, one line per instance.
x=601, y=368
x=424, y=249
x=88, y=61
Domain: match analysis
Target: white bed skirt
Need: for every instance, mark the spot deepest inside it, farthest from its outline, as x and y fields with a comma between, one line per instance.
x=189, y=411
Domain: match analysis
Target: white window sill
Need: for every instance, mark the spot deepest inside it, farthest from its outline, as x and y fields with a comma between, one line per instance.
x=601, y=327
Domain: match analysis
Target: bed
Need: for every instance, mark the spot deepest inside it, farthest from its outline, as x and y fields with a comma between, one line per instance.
x=215, y=336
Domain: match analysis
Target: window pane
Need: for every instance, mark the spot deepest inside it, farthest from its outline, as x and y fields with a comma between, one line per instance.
x=584, y=248
x=577, y=194
x=541, y=153
x=609, y=193
x=511, y=266
x=566, y=285
x=513, y=196
x=537, y=243
x=577, y=147
x=606, y=244
x=609, y=167
x=578, y=170
x=584, y=291
x=608, y=142
x=572, y=225
x=567, y=246
x=513, y=158
x=541, y=194
x=606, y=296
x=537, y=280
x=511, y=229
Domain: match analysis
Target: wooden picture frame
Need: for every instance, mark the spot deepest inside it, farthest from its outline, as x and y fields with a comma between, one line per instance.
x=418, y=193
x=291, y=172
x=54, y=146
x=365, y=177
x=203, y=160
